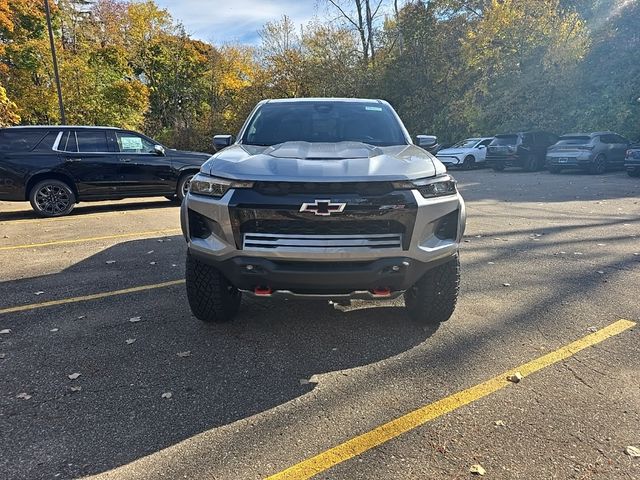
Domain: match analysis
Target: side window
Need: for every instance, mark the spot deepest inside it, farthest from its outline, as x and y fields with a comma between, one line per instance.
x=22, y=140
x=606, y=139
x=486, y=142
x=46, y=144
x=92, y=141
x=131, y=143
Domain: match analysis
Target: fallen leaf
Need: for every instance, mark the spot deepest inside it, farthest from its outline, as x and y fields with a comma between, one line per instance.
x=633, y=452
x=135, y=319
x=76, y=389
x=477, y=469
x=184, y=354
x=167, y=395
x=130, y=340
x=73, y=376
x=38, y=293
x=6, y=331
x=515, y=378
x=26, y=396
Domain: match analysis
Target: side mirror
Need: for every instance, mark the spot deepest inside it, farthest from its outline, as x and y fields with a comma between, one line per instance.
x=222, y=141
x=482, y=147
x=159, y=150
x=426, y=141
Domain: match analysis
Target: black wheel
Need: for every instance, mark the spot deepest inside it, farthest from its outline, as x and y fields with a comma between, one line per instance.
x=469, y=162
x=433, y=298
x=52, y=198
x=633, y=173
x=183, y=186
x=555, y=169
x=599, y=165
x=211, y=297
x=498, y=167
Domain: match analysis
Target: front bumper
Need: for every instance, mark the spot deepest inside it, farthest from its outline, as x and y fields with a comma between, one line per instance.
x=632, y=165
x=450, y=160
x=340, y=257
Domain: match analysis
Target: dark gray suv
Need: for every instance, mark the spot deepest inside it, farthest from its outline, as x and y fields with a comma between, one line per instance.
x=595, y=152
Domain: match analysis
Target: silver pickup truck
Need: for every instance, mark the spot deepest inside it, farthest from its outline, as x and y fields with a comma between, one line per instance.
x=323, y=197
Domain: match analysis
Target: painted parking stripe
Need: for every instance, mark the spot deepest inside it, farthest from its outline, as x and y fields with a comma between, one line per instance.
x=85, y=298
x=91, y=239
x=388, y=431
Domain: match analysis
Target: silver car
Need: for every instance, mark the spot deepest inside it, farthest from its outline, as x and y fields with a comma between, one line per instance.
x=595, y=152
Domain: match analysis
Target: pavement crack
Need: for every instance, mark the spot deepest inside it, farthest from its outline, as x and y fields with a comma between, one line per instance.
x=578, y=377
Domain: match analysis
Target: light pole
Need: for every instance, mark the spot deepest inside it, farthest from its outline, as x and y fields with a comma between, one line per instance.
x=55, y=62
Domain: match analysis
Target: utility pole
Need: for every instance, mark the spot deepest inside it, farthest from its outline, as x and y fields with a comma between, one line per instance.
x=63, y=121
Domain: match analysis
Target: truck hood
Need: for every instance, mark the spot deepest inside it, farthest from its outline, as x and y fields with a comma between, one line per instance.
x=304, y=161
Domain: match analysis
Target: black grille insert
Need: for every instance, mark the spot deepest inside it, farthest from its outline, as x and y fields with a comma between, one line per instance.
x=323, y=188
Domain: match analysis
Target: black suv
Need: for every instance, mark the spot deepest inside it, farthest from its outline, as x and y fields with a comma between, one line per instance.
x=523, y=149
x=55, y=167
x=632, y=160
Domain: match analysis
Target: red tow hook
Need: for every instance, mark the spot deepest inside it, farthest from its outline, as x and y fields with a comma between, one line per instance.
x=262, y=291
x=381, y=292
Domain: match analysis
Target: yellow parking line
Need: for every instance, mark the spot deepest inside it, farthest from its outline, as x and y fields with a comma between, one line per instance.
x=90, y=239
x=84, y=298
x=373, y=438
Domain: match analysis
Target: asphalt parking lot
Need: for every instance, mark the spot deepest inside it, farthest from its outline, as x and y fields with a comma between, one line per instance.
x=547, y=260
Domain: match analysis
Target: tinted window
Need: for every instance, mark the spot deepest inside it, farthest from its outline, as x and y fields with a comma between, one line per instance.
x=20, y=140
x=68, y=142
x=373, y=123
x=92, y=141
x=486, y=142
x=468, y=143
x=606, y=139
x=574, y=140
x=132, y=143
x=505, y=140
x=47, y=142
x=619, y=139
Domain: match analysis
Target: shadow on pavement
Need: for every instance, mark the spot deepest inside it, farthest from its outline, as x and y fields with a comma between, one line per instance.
x=231, y=371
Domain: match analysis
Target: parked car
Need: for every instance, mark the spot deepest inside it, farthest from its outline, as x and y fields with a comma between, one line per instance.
x=593, y=152
x=523, y=149
x=466, y=154
x=56, y=167
x=632, y=160
x=323, y=197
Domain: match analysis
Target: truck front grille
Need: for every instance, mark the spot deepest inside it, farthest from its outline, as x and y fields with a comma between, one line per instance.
x=266, y=241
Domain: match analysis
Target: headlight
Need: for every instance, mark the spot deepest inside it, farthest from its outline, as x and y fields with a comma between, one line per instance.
x=203, y=184
x=430, y=187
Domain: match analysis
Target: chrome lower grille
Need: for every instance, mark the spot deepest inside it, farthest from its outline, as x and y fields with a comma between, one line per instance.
x=267, y=241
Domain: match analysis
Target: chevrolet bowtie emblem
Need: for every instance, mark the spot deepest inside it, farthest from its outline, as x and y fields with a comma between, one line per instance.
x=323, y=207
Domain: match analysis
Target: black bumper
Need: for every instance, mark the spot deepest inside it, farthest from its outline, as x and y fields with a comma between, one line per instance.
x=321, y=278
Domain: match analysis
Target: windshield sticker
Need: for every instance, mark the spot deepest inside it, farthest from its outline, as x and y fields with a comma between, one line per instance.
x=373, y=109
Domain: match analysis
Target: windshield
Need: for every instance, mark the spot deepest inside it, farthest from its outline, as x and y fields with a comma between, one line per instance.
x=324, y=121
x=468, y=143
x=574, y=140
x=505, y=140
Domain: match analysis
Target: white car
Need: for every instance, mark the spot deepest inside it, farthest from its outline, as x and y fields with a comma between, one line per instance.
x=466, y=153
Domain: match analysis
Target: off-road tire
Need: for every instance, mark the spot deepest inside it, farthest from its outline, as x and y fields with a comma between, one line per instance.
x=433, y=298
x=469, y=162
x=497, y=167
x=211, y=297
x=599, y=165
x=555, y=169
x=52, y=198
